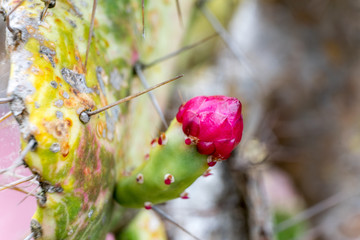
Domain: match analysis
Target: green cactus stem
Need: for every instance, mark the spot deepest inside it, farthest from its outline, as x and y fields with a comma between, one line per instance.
x=49, y=87
x=145, y=226
x=206, y=130
x=172, y=166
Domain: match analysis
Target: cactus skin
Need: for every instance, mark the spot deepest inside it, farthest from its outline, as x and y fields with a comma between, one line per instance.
x=77, y=160
x=76, y=163
x=152, y=228
x=182, y=161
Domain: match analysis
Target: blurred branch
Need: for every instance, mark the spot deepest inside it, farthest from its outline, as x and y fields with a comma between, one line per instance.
x=256, y=210
x=316, y=209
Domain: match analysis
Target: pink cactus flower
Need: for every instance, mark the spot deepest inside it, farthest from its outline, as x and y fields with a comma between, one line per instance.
x=214, y=123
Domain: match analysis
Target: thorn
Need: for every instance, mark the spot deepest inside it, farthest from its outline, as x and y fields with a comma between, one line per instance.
x=6, y=100
x=31, y=193
x=17, y=182
x=318, y=208
x=170, y=219
x=151, y=95
x=5, y=116
x=143, y=17
x=52, y=3
x=148, y=205
x=30, y=236
x=128, y=98
x=180, y=96
x=90, y=32
x=48, y=4
x=15, y=32
x=169, y=179
x=30, y=146
x=18, y=176
x=181, y=50
x=140, y=178
x=20, y=161
x=44, y=11
x=30, y=183
x=21, y=190
x=178, y=8
x=13, y=166
x=225, y=36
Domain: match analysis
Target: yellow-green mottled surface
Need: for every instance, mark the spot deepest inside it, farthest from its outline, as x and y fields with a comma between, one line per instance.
x=49, y=79
x=150, y=224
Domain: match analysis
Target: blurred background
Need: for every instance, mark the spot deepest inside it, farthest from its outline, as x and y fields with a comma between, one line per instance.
x=295, y=67
x=16, y=210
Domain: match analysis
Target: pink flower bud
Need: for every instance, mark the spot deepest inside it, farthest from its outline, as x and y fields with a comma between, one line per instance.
x=215, y=122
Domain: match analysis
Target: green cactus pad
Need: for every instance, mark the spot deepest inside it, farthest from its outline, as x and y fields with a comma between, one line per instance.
x=147, y=183
x=145, y=226
x=51, y=87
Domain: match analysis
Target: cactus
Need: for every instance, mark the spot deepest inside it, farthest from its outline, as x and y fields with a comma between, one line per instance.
x=151, y=227
x=215, y=126
x=79, y=159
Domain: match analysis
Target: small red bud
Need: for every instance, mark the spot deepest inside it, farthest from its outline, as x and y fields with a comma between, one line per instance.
x=184, y=195
x=207, y=173
x=211, y=164
x=188, y=141
x=148, y=205
x=168, y=179
x=162, y=139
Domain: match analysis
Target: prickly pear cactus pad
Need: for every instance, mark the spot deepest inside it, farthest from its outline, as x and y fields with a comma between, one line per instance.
x=50, y=86
x=205, y=130
x=152, y=228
